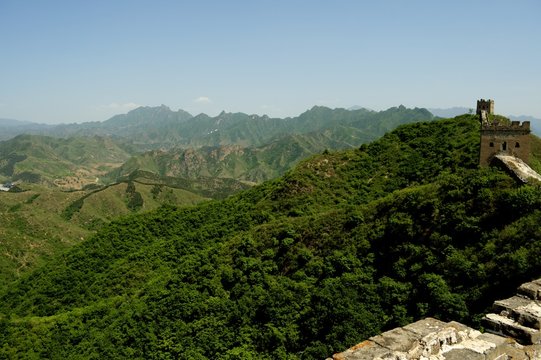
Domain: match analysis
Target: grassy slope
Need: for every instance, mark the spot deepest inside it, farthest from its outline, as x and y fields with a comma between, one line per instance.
x=34, y=227
x=32, y=230
x=45, y=159
x=103, y=206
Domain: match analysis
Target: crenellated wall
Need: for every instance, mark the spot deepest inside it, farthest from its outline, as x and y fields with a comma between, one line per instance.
x=496, y=138
x=486, y=106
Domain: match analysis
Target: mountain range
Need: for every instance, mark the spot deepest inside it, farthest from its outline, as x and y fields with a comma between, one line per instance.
x=231, y=146
x=160, y=127
x=74, y=185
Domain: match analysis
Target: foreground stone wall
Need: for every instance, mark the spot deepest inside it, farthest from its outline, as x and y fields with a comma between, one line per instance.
x=513, y=331
x=518, y=317
x=517, y=168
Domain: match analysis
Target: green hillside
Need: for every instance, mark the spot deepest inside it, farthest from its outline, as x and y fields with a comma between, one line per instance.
x=251, y=164
x=68, y=163
x=343, y=246
x=41, y=222
x=32, y=229
x=535, y=148
x=97, y=208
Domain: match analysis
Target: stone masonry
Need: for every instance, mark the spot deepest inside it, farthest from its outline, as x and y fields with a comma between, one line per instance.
x=519, y=316
x=496, y=138
x=485, y=106
x=512, y=332
x=501, y=138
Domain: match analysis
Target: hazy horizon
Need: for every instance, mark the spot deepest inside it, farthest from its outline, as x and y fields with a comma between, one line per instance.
x=463, y=110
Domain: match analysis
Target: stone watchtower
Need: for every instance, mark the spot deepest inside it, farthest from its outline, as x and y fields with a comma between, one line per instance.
x=485, y=105
x=501, y=138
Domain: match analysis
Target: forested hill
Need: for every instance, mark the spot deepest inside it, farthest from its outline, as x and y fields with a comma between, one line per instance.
x=340, y=248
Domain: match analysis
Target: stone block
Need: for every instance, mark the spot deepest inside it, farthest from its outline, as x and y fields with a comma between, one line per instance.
x=463, y=354
x=367, y=350
x=531, y=290
x=506, y=306
x=435, y=334
x=528, y=315
x=500, y=345
x=508, y=327
x=398, y=339
x=532, y=352
x=426, y=326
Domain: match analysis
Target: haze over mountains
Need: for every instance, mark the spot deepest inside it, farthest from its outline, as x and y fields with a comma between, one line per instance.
x=162, y=119
x=231, y=145
x=162, y=127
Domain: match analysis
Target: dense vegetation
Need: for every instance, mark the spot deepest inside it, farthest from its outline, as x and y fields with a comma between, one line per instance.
x=342, y=247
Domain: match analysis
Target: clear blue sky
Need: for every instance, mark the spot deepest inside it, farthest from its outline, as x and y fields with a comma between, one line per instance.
x=75, y=61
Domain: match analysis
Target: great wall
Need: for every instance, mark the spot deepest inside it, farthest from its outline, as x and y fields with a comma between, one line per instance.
x=504, y=143
x=513, y=329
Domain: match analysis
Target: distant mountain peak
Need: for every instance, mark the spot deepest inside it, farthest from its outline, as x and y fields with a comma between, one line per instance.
x=13, y=122
x=449, y=112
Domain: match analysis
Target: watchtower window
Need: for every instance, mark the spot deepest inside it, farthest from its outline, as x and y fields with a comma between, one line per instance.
x=517, y=145
x=504, y=146
x=491, y=144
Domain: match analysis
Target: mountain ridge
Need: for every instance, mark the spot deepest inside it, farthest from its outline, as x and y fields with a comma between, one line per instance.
x=161, y=126
x=271, y=145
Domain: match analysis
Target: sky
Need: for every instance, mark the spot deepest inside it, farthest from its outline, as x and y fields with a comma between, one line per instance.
x=78, y=61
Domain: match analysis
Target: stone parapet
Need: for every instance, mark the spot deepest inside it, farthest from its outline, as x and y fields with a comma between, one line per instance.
x=518, y=316
x=531, y=290
x=513, y=332
x=432, y=339
x=514, y=126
